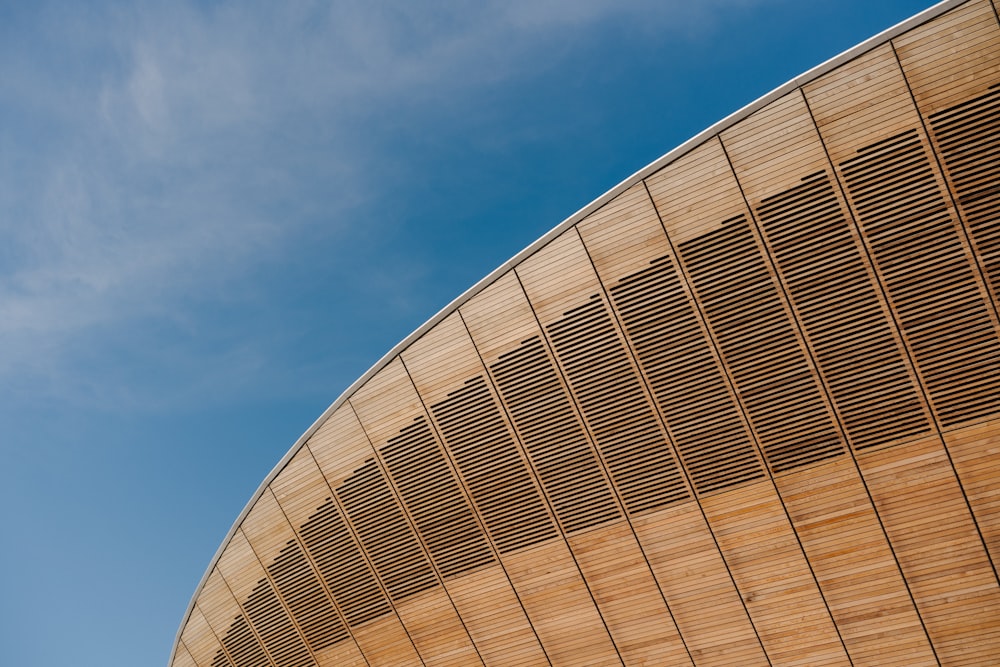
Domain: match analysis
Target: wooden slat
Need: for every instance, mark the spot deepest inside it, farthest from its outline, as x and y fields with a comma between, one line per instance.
x=261, y=605
x=626, y=238
x=394, y=418
x=499, y=320
x=952, y=337
x=935, y=540
x=867, y=96
x=450, y=377
x=854, y=564
x=230, y=625
x=975, y=453
x=182, y=658
x=806, y=229
x=809, y=236
x=696, y=194
x=920, y=254
x=423, y=477
x=298, y=584
x=199, y=639
x=400, y=561
x=618, y=418
x=749, y=326
x=307, y=501
x=961, y=112
x=953, y=57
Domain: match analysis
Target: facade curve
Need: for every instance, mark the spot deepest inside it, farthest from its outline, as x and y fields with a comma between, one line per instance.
x=743, y=409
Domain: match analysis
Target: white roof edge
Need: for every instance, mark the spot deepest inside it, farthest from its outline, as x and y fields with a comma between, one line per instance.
x=656, y=165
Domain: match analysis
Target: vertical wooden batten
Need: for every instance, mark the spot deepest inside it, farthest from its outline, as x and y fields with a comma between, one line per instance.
x=742, y=409
x=866, y=388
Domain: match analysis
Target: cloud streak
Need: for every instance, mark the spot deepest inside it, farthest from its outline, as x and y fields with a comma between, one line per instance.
x=165, y=151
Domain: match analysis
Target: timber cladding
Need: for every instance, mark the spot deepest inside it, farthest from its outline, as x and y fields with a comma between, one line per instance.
x=744, y=412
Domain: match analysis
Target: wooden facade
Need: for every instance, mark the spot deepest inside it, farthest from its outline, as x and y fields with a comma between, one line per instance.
x=742, y=410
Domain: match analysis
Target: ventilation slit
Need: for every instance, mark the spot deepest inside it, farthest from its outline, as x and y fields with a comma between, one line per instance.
x=567, y=466
x=618, y=413
x=759, y=345
x=342, y=566
x=968, y=138
x=685, y=379
x=836, y=301
x=435, y=501
x=242, y=646
x=308, y=604
x=497, y=477
x=928, y=278
x=384, y=532
x=275, y=628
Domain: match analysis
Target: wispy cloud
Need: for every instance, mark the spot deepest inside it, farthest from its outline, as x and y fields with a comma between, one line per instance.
x=151, y=156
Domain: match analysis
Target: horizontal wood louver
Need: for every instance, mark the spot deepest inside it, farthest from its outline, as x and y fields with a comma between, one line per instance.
x=221, y=660
x=610, y=395
x=276, y=631
x=928, y=277
x=498, y=480
x=628, y=445
x=300, y=589
x=384, y=532
x=685, y=379
x=342, y=566
x=968, y=138
x=759, y=345
x=836, y=301
x=241, y=643
x=432, y=495
x=569, y=470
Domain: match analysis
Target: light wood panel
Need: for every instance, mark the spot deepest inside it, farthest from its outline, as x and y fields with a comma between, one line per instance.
x=803, y=222
x=625, y=240
x=308, y=503
x=855, y=566
x=747, y=323
x=449, y=376
x=975, y=453
x=953, y=57
x=199, y=640
x=499, y=320
x=182, y=658
x=935, y=540
x=747, y=411
x=696, y=194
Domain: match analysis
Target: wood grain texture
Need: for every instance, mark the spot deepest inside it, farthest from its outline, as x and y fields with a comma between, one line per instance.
x=940, y=553
x=626, y=238
x=802, y=220
x=745, y=411
x=199, y=641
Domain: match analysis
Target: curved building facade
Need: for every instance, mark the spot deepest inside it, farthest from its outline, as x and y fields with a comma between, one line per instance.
x=744, y=409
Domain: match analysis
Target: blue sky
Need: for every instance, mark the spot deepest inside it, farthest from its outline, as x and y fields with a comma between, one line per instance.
x=215, y=216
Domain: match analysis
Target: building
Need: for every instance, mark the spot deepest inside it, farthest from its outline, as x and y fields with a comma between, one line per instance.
x=743, y=409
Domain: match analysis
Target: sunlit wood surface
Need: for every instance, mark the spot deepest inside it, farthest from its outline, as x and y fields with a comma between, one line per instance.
x=747, y=412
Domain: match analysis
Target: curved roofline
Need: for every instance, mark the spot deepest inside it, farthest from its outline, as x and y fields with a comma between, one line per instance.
x=656, y=165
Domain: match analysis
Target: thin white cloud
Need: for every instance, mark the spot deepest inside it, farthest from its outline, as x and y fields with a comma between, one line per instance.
x=163, y=147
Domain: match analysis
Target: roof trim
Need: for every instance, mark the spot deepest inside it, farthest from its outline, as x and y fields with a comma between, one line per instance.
x=689, y=145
